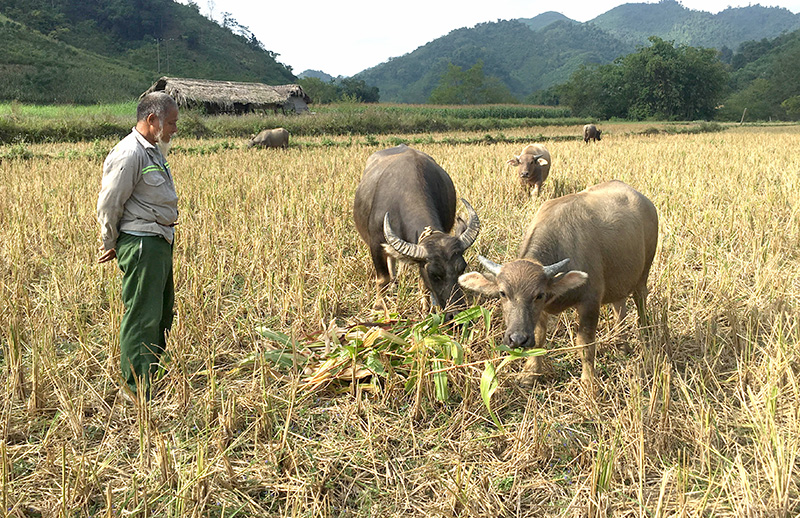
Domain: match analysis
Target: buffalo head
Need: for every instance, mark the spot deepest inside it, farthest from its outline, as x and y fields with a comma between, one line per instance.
x=440, y=257
x=525, y=288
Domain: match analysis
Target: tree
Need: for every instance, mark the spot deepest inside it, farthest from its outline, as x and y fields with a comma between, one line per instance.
x=319, y=91
x=357, y=89
x=659, y=81
x=469, y=87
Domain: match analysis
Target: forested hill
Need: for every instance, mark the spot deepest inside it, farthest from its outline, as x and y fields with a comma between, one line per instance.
x=524, y=60
x=669, y=20
x=533, y=54
x=84, y=51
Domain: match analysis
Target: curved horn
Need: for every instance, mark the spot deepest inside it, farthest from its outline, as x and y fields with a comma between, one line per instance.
x=470, y=233
x=403, y=247
x=491, y=266
x=555, y=267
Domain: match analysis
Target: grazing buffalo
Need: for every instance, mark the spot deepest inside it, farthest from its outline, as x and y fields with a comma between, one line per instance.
x=277, y=137
x=404, y=209
x=533, y=166
x=590, y=131
x=606, y=235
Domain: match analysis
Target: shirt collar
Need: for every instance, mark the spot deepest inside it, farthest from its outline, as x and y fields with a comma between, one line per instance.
x=152, y=149
x=143, y=141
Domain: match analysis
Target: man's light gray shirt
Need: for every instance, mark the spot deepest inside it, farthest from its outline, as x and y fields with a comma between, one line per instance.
x=137, y=194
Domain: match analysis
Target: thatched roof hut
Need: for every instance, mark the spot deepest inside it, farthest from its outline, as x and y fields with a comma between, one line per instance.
x=232, y=96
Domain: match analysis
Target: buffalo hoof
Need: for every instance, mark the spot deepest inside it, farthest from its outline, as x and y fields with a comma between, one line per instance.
x=535, y=371
x=380, y=305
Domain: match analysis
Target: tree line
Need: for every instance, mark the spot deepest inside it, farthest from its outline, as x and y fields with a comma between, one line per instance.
x=659, y=81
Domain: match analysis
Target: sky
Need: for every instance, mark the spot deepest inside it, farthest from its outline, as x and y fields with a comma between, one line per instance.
x=344, y=38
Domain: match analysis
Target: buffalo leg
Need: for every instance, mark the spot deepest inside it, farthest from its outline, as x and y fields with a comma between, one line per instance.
x=640, y=299
x=384, y=276
x=535, y=366
x=587, y=329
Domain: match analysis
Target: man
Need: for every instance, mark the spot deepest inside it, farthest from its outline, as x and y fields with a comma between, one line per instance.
x=137, y=210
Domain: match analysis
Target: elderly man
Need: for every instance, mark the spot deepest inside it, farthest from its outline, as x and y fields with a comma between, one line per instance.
x=137, y=210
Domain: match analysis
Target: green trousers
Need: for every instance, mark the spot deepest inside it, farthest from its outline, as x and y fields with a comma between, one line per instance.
x=148, y=294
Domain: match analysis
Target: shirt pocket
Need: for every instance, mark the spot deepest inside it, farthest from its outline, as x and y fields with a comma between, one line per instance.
x=153, y=178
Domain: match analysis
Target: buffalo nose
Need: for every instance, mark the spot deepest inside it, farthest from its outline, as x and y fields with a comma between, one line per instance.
x=519, y=340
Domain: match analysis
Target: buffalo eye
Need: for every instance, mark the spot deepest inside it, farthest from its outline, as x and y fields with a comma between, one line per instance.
x=539, y=296
x=502, y=294
x=435, y=274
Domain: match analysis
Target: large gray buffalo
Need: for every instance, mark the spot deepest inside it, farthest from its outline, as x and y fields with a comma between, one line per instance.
x=590, y=132
x=533, y=166
x=581, y=250
x=278, y=137
x=404, y=209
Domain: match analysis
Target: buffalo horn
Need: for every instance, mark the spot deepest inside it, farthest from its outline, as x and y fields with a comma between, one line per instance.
x=554, y=268
x=403, y=247
x=470, y=233
x=491, y=266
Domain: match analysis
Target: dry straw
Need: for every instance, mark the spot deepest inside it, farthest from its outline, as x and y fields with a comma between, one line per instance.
x=696, y=415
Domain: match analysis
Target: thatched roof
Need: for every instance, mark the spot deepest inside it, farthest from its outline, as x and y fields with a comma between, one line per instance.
x=227, y=96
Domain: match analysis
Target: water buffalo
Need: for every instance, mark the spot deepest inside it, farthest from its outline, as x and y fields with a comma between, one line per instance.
x=277, y=137
x=404, y=209
x=590, y=131
x=533, y=166
x=606, y=234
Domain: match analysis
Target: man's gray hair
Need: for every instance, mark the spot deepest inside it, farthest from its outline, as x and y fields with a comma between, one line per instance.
x=157, y=103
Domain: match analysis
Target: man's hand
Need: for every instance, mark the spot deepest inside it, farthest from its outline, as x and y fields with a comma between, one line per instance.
x=107, y=255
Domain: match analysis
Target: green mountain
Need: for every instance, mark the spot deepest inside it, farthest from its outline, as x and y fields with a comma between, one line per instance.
x=534, y=54
x=38, y=69
x=543, y=20
x=523, y=59
x=669, y=20
x=766, y=79
x=85, y=52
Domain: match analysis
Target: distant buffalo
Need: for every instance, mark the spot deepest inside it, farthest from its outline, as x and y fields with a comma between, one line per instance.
x=590, y=132
x=581, y=250
x=277, y=137
x=405, y=209
x=533, y=166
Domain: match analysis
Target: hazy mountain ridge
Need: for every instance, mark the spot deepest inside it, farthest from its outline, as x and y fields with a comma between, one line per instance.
x=533, y=54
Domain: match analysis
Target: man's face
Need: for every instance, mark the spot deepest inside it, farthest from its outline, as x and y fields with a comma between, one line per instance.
x=168, y=126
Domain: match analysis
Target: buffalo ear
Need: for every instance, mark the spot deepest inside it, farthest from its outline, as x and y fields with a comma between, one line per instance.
x=513, y=161
x=542, y=162
x=476, y=282
x=564, y=282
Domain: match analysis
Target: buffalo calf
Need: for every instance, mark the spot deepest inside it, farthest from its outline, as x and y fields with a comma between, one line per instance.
x=278, y=137
x=590, y=132
x=581, y=250
x=533, y=166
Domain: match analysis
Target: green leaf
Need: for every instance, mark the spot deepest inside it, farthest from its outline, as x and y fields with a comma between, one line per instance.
x=373, y=363
x=283, y=358
x=276, y=336
x=488, y=386
x=456, y=353
x=468, y=315
x=521, y=353
x=440, y=382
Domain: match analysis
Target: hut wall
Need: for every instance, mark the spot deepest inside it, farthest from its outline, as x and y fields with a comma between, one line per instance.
x=296, y=104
